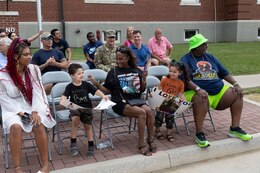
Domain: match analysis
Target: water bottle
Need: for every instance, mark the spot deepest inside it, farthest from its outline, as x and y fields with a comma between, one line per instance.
x=103, y=145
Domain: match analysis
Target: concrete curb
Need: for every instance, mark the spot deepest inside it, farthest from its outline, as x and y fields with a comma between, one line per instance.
x=169, y=158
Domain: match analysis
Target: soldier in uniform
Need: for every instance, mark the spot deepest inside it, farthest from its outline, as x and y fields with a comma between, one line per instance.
x=105, y=56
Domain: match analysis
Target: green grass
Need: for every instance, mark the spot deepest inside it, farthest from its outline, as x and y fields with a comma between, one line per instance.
x=239, y=58
x=251, y=90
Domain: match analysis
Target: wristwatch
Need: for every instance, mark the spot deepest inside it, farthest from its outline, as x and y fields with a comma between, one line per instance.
x=197, y=88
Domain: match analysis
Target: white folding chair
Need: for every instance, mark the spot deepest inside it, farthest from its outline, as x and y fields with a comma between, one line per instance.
x=6, y=142
x=99, y=75
x=61, y=116
x=186, y=123
x=83, y=64
x=158, y=71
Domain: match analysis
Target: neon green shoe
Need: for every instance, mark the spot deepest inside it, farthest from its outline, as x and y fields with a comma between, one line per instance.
x=201, y=140
x=237, y=132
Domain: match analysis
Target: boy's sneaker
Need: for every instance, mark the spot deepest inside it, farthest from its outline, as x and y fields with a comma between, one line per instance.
x=201, y=140
x=90, y=152
x=237, y=132
x=73, y=149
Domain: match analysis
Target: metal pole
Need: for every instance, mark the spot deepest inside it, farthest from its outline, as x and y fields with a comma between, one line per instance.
x=215, y=21
x=62, y=19
x=39, y=16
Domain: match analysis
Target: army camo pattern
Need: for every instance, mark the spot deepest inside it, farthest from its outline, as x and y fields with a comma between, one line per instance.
x=105, y=58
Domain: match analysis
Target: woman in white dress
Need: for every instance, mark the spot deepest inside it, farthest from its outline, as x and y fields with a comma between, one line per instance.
x=21, y=92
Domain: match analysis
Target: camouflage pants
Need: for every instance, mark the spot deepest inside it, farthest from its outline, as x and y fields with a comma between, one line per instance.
x=169, y=119
x=86, y=116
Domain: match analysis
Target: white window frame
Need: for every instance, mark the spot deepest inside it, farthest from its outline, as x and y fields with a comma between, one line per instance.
x=109, y=1
x=185, y=30
x=118, y=37
x=190, y=2
x=25, y=0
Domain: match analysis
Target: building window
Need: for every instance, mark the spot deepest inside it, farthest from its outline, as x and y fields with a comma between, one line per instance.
x=258, y=34
x=110, y=1
x=189, y=33
x=118, y=37
x=190, y=2
x=258, y=2
x=25, y=0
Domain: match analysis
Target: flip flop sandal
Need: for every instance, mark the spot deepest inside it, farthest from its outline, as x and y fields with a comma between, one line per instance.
x=159, y=135
x=145, y=151
x=152, y=147
x=170, y=138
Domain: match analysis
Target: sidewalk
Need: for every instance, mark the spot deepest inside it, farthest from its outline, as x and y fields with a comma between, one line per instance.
x=126, y=158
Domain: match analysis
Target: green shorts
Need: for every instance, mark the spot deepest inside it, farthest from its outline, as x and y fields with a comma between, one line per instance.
x=213, y=99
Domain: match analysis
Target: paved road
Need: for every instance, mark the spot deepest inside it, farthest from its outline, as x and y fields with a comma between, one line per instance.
x=241, y=163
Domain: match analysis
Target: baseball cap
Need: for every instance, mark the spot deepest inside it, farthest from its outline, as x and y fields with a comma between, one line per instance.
x=46, y=35
x=196, y=40
x=110, y=33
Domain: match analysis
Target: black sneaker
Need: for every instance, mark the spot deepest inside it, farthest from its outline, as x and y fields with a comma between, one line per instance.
x=73, y=149
x=201, y=140
x=90, y=152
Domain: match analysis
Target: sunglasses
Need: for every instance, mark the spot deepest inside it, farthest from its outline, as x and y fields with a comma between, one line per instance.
x=48, y=38
x=121, y=49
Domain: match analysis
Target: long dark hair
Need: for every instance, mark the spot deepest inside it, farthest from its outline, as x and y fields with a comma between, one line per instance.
x=16, y=49
x=127, y=51
x=181, y=67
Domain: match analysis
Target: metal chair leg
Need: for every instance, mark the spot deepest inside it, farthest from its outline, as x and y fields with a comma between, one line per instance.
x=109, y=132
x=6, y=151
x=185, y=124
x=211, y=120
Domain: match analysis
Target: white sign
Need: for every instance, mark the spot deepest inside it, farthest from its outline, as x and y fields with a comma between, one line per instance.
x=164, y=102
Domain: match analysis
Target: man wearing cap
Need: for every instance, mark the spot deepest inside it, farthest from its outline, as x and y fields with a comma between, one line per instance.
x=49, y=59
x=206, y=89
x=60, y=44
x=105, y=56
x=160, y=48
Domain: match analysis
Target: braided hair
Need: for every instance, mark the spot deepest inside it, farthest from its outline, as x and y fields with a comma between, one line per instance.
x=16, y=49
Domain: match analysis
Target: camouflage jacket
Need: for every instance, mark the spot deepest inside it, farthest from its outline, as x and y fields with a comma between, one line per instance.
x=105, y=58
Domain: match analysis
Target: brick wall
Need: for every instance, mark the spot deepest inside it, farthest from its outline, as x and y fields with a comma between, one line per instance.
x=9, y=22
x=141, y=10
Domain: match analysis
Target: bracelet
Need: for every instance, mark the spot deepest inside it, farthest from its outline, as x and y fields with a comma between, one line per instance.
x=234, y=84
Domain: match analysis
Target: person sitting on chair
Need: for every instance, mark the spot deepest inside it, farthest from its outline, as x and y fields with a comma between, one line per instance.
x=208, y=90
x=22, y=97
x=125, y=82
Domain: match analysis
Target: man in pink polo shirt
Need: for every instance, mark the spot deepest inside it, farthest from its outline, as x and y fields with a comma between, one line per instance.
x=160, y=48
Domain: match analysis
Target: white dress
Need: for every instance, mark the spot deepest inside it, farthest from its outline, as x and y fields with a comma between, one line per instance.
x=12, y=101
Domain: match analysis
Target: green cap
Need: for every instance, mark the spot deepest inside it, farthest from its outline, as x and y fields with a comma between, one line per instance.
x=196, y=40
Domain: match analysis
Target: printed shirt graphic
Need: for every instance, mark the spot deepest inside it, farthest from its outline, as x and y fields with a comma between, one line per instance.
x=129, y=83
x=204, y=71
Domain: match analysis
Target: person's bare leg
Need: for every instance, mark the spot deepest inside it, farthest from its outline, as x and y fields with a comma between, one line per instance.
x=140, y=114
x=15, y=143
x=200, y=109
x=47, y=88
x=42, y=143
x=89, y=131
x=149, y=122
x=74, y=126
x=232, y=100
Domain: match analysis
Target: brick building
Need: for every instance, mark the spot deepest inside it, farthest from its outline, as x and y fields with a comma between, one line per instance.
x=218, y=20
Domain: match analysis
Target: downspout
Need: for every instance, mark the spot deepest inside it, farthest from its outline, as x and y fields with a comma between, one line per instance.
x=215, y=21
x=62, y=19
x=7, y=5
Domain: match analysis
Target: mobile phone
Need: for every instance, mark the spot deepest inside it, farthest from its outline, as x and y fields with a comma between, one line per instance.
x=26, y=118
